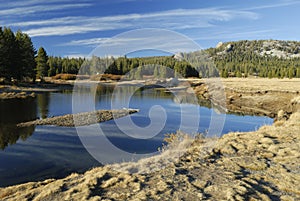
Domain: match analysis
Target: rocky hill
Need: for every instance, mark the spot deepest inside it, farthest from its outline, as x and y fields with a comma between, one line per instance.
x=263, y=58
x=275, y=48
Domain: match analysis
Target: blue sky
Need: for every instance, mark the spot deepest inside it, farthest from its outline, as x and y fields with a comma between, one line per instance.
x=74, y=28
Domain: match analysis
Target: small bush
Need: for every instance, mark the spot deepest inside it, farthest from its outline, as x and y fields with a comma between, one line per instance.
x=64, y=77
x=104, y=77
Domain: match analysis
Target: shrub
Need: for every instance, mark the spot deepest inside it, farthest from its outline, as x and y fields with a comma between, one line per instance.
x=64, y=77
x=106, y=77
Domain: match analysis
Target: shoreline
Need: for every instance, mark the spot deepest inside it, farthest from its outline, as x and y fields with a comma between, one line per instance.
x=37, y=87
x=246, y=96
x=255, y=96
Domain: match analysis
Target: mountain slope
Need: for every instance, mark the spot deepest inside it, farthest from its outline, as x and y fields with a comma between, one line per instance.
x=264, y=58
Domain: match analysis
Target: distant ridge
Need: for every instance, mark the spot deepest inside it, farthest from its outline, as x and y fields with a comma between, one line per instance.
x=276, y=48
x=263, y=58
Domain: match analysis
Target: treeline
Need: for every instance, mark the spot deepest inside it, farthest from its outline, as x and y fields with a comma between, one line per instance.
x=243, y=58
x=59, y=65
x=163, y=66
x=121, y=66
x=19, y=60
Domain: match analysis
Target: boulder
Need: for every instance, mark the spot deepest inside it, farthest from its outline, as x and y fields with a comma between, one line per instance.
x=179, y=56
x=219, y=45
x=229, y=47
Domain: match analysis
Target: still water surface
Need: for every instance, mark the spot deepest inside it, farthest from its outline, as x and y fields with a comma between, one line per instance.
x=40, y=152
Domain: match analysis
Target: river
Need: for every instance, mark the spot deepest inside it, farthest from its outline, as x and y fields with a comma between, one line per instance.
x=41, y=152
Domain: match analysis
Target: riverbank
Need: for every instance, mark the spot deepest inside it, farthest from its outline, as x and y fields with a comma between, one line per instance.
x=257, y=96
x=29, y=90
x=37, y=87
x=254, y=96
x=16, y=95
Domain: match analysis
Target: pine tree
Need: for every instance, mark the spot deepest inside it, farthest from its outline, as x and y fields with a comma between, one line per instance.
x=270, y=74
x=41, y=63
x=291, y=73
x=298, y=73
x=178, y=69
x=225, y=73
x=52, y=67
x=163, y=72
x=2, y=59
x=26, y=58
x=156, y=73
x=138, y=73
x=9, y=55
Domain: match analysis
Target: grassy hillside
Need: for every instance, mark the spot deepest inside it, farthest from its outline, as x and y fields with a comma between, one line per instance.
x=263, y=58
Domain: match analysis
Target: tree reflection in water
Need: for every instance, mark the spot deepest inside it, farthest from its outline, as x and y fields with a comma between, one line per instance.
x=12, y=112
x=43, y=104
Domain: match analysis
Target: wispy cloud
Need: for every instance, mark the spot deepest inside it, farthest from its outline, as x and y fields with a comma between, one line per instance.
x=86, y=42
x=48, y=22
x=28, y=10
x=60, y=30
x=22, y=3
x=108, y=42
x=281, y=3
x=171, y=19
x=140, y=39
x=234, y=34
x=144, y=41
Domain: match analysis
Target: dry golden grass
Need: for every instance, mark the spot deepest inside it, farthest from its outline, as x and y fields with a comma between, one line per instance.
x=296, y=100
x=263, y=84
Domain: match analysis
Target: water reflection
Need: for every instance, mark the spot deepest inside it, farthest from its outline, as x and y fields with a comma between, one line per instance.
x=101, y=96
x=13, y=112
x=43, y=104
